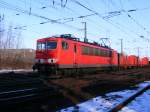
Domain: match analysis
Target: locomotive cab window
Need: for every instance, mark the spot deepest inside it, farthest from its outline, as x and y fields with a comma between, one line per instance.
x=65, y=45
x=51, y=45
x=40, y=45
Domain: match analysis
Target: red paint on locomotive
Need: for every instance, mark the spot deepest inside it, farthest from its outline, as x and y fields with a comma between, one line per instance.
x=144, y=61
x=67, y=52
x=133, y=61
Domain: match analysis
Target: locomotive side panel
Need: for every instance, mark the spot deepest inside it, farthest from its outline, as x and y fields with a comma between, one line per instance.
x=80, y=55
x=66, y=56
x=91, y=56
x=69, y=55
x=114, y=58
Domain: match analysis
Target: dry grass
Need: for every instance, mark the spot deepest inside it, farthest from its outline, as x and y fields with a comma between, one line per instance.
x=16, y=58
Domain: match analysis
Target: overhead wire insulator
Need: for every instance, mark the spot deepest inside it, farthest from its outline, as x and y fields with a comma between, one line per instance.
x=53, y=2
x=132, y=10
x=63, y=3
x=129, y=16
x=30, y=11
x=142, y=36
x=1, y=17
x=43, y=7
x=30, y=8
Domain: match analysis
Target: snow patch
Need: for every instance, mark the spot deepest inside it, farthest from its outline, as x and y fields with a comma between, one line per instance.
x=16, y=70
x=140, y=104
x=109, y=101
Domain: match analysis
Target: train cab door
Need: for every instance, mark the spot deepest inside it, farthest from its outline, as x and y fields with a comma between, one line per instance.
x=75, y=55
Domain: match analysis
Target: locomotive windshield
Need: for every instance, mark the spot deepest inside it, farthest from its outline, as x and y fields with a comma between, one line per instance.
x=51, y=45
x=46, y=45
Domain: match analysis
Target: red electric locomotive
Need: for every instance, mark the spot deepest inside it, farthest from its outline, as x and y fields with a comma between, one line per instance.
x=133, y=61
x=144, y=61
x=67, y=52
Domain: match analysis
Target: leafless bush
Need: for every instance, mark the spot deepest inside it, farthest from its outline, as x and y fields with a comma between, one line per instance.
x=11, y=54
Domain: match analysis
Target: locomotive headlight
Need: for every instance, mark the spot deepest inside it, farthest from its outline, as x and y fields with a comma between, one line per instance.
x=55, y=60
x=42, y=61
x=36, y=60
x=52, y=60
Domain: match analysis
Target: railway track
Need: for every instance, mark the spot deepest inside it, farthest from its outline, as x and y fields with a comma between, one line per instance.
x=22, y=95
x=130, y=99
x=18, y=90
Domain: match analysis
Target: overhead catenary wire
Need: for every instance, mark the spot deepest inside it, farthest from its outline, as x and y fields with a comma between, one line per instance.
x=116, y=25
x=125, y=11
x=69, y=9
x=95, y=14
x=129, y=15
x=112, y=13
x=92, y=15
x=70, y=19
x=56, y=20
x=132, y=10
x=139, y=24
x=18, y=9
x=119, y=13
x=136, y=22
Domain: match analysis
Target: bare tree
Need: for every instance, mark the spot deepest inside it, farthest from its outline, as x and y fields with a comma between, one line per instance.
x=10, y=40
x=1, y=35
x=11, y=54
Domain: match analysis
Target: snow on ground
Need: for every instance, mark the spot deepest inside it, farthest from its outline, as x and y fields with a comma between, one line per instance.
x=140, y=104
x=15, y=70
x=107, y=102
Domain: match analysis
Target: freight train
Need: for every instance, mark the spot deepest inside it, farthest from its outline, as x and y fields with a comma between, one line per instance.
x=65, y=52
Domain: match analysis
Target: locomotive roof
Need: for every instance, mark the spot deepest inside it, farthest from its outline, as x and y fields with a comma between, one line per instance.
x=73, y=38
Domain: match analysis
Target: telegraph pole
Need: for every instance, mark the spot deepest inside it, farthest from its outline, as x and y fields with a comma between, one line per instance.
x=121, y=40
x=138, y=51
x=138, y=55
x=85, y=32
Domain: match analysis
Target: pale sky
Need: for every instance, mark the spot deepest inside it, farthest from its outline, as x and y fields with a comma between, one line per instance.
x=114, y=19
